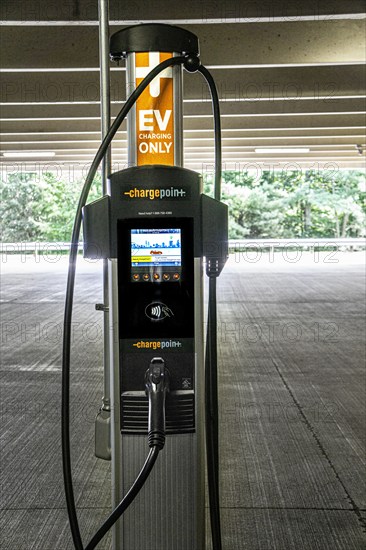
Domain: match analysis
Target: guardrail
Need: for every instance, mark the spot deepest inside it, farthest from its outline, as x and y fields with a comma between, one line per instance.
x=36, y=247
x=235, y=245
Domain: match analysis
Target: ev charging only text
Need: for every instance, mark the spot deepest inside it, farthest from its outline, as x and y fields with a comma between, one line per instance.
x=155, y=142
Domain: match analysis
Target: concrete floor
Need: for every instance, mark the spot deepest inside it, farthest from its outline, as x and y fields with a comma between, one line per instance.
x=292, y=389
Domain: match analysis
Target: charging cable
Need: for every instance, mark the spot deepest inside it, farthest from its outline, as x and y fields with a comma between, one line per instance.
x=156, y=386
x=213, y=269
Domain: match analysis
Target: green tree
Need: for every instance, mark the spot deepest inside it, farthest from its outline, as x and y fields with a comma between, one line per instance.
x=294, y=204
x=252, y=213
x=21, y=208
x=61, y=198
x=33, y=209
x=328, y=206
x=274, y=204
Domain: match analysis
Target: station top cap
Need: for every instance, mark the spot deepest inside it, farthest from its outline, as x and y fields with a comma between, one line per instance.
x=153, y=37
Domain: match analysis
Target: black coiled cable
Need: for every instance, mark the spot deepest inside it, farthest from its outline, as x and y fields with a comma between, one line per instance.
x=211, y=374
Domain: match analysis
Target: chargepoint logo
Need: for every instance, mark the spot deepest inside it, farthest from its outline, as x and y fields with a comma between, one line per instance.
x=157, y=193
x=157, y=344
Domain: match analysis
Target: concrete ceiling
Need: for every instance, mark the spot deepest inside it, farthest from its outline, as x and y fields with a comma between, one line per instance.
x=289, y=74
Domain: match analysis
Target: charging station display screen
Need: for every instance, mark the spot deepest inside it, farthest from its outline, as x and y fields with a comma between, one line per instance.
x=151, y=247
x=154, y=251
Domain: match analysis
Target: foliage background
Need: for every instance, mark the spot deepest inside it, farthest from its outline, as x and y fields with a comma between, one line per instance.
x=40, y=209
x=274, y=205
x=294, y=204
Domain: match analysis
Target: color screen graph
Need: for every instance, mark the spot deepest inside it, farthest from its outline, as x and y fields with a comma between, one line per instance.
x=156, y=247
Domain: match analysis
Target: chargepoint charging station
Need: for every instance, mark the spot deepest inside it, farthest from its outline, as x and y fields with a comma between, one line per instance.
x=158, y=234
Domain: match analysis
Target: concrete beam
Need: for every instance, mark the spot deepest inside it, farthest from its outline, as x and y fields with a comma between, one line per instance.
x=329, y=137
x=229, y=135
x=197, y=109
x=329, y=161
x=9, y=143
x=221, y=44
x=275, y=123
x=76, y=167
x=238, y=84
x=190, y=10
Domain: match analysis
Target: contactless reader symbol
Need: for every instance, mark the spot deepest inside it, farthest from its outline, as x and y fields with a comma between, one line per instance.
x=158, y=311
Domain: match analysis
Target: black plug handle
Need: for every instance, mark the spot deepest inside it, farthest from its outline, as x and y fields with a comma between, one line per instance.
x=157, y=386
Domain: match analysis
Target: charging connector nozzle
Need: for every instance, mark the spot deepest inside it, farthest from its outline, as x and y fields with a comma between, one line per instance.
x=156, y=387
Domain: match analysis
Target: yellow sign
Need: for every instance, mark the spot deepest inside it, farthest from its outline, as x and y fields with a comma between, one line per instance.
x=140, y=259
x=154, y=112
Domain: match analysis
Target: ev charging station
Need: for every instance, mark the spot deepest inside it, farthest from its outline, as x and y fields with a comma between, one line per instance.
x=158, y=233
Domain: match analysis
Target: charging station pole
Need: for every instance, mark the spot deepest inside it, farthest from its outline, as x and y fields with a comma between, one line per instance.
x=103, y=418
x=170, y=514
